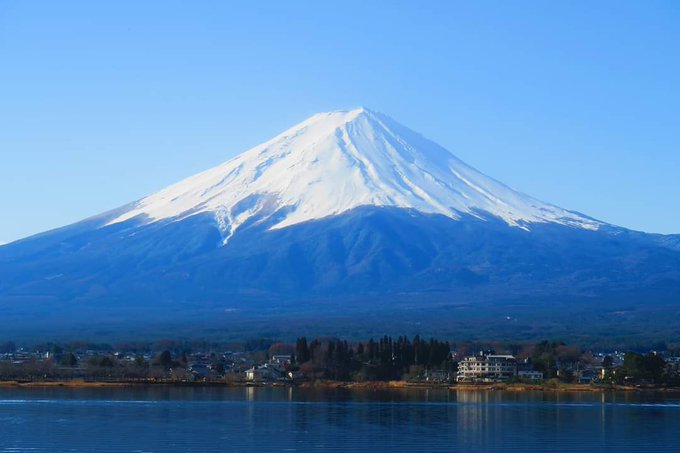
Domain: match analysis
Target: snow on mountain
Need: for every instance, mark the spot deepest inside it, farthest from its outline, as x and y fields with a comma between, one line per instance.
x=337, y=161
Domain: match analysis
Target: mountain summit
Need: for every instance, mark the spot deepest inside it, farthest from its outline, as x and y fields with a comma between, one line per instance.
x=347, y=219
x=337, y=161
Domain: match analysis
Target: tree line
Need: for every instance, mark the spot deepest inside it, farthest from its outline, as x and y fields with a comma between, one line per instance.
x=384, y=359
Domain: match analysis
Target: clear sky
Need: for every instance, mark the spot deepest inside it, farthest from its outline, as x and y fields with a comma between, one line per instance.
x=576, y=103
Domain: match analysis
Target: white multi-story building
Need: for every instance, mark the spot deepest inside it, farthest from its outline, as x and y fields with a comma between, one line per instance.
x=486, y=368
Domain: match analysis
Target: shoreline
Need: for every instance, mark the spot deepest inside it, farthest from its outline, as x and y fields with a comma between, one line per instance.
x=335, y=385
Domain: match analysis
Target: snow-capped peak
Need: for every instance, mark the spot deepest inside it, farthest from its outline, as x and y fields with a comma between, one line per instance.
x=337, y=161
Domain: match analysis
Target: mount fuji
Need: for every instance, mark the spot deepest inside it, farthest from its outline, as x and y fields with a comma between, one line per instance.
x=346, y=219
x=338, y=161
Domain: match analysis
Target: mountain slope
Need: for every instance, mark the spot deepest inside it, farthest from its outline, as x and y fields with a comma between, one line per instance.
x=345, y=215
x=337, y=161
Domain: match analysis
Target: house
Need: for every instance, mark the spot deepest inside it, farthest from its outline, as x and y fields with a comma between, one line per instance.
x=530, y=375
x=200, y=371
x=587, y=376
x=525, y=370
x=673, y=363
x=486, y=367
x=281, y=359
x=264, y=373
x=437, y=376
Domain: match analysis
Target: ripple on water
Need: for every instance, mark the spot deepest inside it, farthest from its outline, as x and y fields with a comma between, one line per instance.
x=205, y=420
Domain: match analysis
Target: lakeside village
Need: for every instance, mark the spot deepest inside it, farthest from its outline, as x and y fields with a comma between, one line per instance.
x=264, y=362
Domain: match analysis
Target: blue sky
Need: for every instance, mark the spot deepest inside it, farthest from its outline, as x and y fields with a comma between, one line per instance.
x=575, y=103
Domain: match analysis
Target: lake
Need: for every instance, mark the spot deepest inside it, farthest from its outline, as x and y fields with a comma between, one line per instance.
x=208, y=419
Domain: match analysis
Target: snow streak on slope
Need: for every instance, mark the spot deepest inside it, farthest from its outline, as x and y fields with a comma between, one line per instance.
x=337, y=161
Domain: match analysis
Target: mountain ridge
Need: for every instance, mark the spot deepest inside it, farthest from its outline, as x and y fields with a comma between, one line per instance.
x=333, y=162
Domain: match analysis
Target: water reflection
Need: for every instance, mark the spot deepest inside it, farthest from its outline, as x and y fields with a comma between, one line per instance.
x=250, y=393
x=275, y=419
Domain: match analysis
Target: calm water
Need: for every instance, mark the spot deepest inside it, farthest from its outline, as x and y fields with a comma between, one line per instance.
x=282, y=419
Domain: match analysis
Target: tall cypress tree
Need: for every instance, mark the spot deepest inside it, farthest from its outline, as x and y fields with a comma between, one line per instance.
x=302, y=350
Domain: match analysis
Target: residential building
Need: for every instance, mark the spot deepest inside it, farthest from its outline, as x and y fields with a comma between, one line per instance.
x=437, y=376
x=530, y=375
x=673, y=362
x=588, y=375
x=486, y=367
x=263, y=373
x=281, y=359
